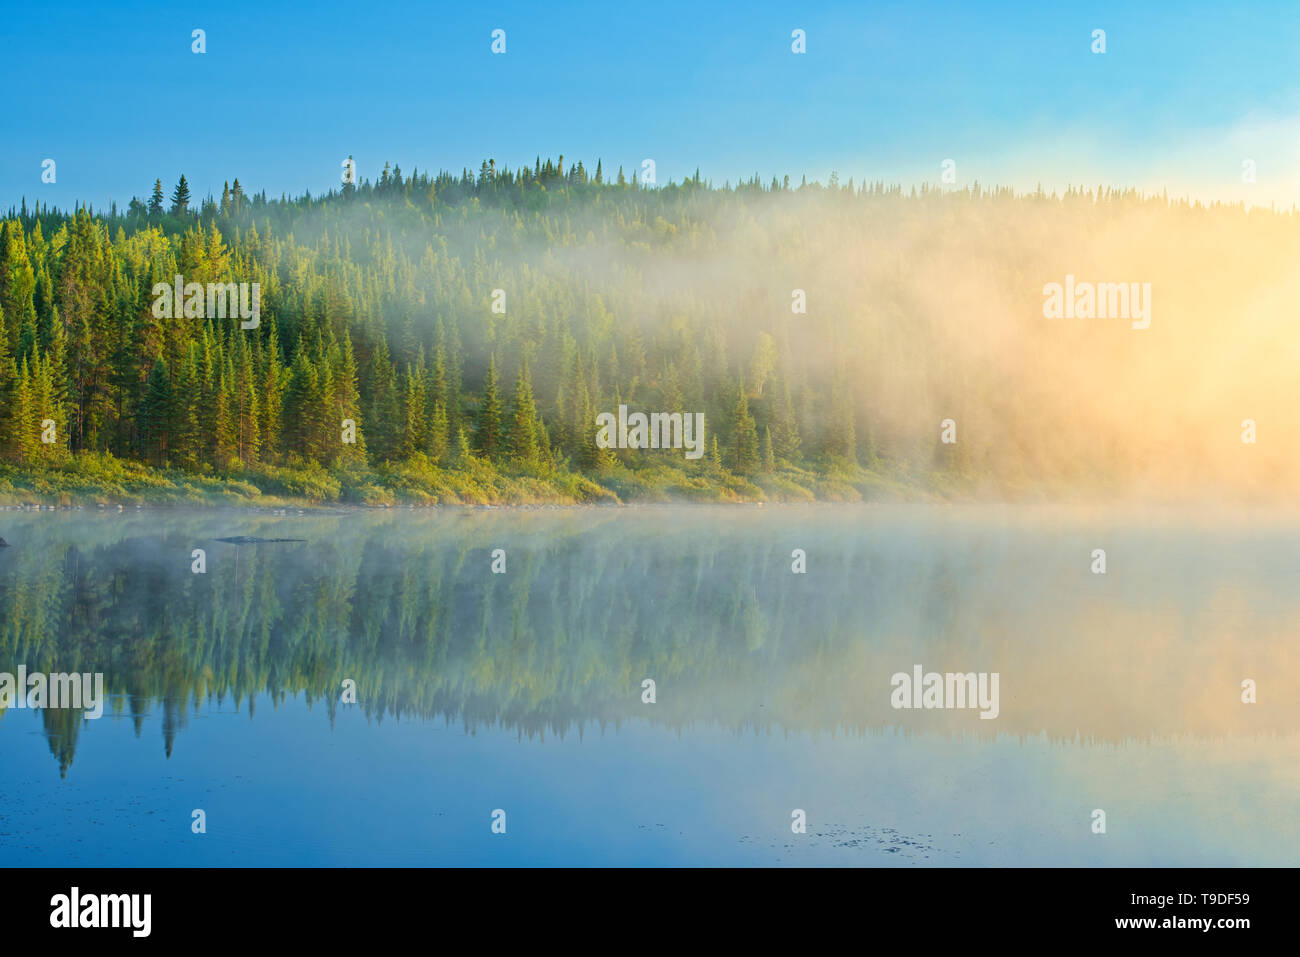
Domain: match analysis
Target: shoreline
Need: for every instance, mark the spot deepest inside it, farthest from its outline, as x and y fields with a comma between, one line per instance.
x=103, y=483
x=304, y=508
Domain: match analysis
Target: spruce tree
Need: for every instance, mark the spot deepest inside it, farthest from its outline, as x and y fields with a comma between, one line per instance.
x=414, y=435
x=155, y=414
x=245, y=414
x=271, y=381
x=523, y=421
x=26, y=440
x=48, y=410
x=187, y=397
x=181, y=197
x=4, y=359
x=17, y=278
x=349, y=403
x=462, y=454
x=487, y=432
x=438, y=435
x=745, y=452
x=382, y=425
x=841, y=440
x=225, y=437
x=324, y=442
x=299, y=394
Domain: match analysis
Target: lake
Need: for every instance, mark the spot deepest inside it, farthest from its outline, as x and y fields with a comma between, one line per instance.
x=521, y=690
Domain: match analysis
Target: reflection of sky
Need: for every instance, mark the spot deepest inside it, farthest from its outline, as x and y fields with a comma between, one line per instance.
x=283, y=789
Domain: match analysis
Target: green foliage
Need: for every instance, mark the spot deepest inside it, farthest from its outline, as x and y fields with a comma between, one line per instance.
x=181, y=197
x=487, y=431
x=745, y=451
x=375, y=311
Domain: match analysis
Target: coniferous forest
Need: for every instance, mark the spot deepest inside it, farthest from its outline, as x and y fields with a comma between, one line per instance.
x=473, y=326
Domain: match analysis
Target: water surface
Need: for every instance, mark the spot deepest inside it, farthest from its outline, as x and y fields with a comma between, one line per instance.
x=522, y=691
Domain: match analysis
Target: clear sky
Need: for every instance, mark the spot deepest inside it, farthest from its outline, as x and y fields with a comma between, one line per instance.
x=1011, y=92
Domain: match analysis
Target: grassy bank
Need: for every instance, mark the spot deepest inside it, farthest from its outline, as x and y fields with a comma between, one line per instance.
x=100, y=478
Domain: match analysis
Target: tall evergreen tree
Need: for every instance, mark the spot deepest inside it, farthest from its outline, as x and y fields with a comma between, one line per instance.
x=155, y=414
x=181, y=197
x=523, y=422
x=744, y=447
x=299, y=395
x=487, y=433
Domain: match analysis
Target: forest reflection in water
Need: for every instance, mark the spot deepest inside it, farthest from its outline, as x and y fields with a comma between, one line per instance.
x=702, y=600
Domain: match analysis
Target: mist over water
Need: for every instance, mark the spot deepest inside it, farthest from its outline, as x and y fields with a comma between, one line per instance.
x=523, y=690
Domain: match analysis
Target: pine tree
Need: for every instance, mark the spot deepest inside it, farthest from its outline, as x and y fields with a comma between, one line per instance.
x=299, y=394
x=545, y=454
x=9, y=426
x=156, y=413
x=17, y=278
x=523, y=421
x=438, y=435
x=225, y=437
x=745, y=452
x=272, y=380
x=246, y=421
x=27, y=433
x=4, y=363
x=156, y=200
x=186, y=441
x=382, y=425
x=590, y=456
x=181, y=197
x=414, y=434
x=841, y=440
x=349, y=403
x=438, y=432
x=487, y=432
x=48, y=410
x=786, y=438
x=324, y=443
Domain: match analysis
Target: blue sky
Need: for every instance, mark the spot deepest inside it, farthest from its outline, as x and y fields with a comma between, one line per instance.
x=1011, y=92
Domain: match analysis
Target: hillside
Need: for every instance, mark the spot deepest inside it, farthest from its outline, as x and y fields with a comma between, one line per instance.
x=453, y=338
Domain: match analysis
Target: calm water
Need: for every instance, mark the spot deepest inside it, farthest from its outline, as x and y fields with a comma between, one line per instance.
x=523, y=691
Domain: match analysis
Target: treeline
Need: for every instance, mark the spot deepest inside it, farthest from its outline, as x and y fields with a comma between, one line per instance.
x=481, y=321
x=354, y=327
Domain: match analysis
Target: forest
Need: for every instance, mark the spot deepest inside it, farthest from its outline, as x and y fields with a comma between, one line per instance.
x=473, y=326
